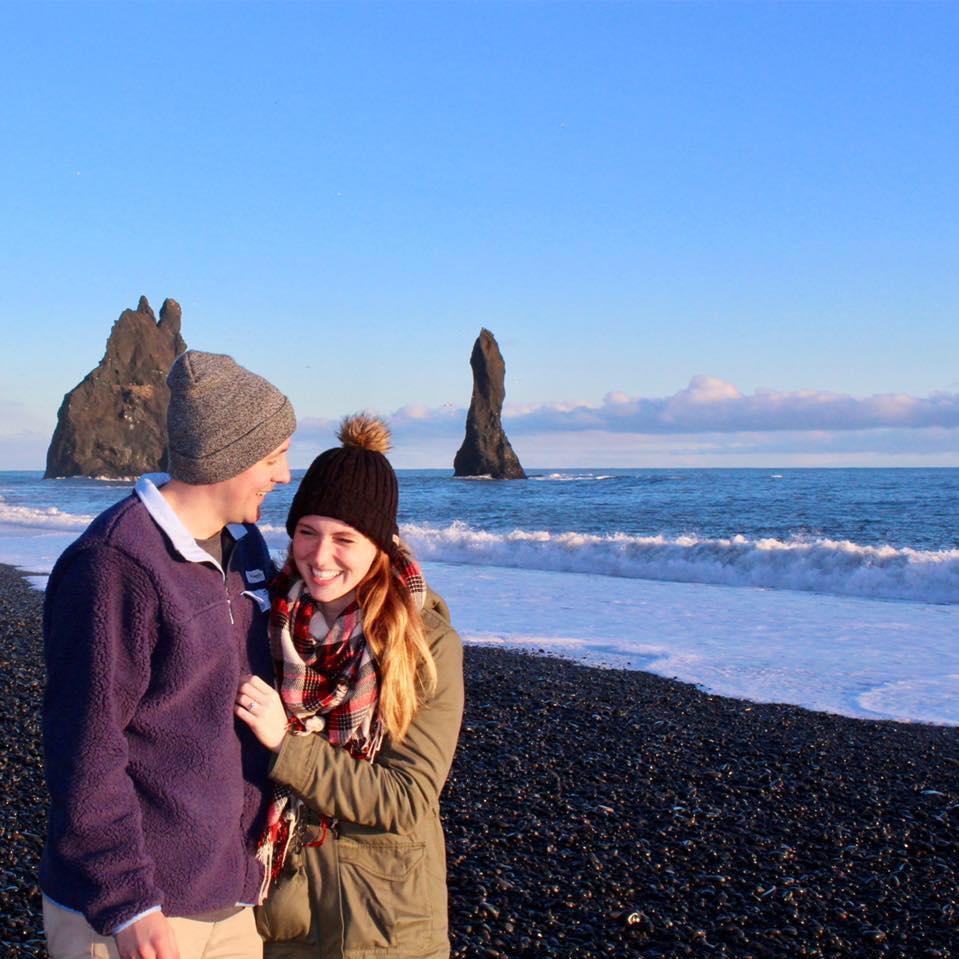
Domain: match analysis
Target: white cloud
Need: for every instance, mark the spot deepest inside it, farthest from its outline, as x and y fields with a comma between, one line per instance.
x=710, y=422
x=709, y=404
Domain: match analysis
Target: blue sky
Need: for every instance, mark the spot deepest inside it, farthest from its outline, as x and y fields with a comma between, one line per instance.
x=703, y=234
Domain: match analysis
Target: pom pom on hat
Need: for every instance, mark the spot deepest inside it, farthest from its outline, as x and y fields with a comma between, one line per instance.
x=365, y=431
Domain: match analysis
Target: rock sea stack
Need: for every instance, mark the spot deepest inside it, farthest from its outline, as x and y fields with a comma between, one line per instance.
x=113, y=423
x=486, y=451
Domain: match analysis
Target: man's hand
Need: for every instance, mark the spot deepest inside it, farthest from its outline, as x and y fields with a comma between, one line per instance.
x=260, y=707
x=148, y=938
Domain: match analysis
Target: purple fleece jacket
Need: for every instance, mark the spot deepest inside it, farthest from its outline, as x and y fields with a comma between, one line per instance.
x=156, y=790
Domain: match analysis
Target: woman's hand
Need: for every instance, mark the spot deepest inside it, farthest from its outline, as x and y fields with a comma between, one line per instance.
x=261, y=708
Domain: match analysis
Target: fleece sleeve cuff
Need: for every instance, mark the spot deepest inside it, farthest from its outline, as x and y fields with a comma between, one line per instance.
x=136, y=918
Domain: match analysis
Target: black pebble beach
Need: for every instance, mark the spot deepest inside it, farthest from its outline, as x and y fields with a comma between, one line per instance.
x=611, y=813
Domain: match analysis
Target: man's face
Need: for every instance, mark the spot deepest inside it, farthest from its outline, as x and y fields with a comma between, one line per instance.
x=242, y=496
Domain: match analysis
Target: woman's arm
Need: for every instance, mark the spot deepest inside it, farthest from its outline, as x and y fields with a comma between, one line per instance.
x=404, y=782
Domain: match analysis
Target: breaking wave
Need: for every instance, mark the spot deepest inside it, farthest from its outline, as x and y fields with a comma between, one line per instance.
x=44, y=518
x=815, y=565
x=821, y=565
x=570, y=477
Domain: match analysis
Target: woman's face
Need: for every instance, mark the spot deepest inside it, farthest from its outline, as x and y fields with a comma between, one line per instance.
x=332, y=558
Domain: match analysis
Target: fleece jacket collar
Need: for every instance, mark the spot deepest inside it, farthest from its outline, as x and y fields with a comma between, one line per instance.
x=148, y=489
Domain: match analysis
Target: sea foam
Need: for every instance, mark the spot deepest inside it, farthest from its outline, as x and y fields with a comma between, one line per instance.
x=810, y=564
x=49, y=517
x=570, y=477
x=818, y=565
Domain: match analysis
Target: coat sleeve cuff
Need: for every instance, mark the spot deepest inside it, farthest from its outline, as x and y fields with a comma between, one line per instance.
x=136, y=918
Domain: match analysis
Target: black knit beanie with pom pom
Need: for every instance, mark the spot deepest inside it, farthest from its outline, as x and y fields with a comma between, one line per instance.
x=353, y=483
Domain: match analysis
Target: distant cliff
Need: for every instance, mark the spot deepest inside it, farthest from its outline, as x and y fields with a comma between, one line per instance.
x=486, y=450
x=113, y=423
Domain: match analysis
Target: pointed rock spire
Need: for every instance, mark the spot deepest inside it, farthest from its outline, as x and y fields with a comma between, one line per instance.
x=113, y=423
x=486, y=451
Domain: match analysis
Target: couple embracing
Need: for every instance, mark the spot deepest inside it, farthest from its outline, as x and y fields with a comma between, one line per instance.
x=219, y=734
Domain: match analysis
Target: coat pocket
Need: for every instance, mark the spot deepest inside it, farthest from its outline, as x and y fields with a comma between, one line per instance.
x=286, y=915
x=384, y=894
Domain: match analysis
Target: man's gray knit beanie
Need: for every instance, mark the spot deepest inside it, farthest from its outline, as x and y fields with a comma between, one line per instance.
x=222, y=418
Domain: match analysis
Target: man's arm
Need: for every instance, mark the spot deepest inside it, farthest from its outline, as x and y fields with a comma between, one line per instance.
x=99, y=632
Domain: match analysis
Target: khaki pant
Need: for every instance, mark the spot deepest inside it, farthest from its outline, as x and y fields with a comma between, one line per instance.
x=70, y=936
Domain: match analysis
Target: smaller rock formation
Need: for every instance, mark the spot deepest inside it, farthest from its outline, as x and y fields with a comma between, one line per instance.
x=113, y=423
x=486, y=450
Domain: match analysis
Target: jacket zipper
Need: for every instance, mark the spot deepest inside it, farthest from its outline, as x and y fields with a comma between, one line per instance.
x=226, y=588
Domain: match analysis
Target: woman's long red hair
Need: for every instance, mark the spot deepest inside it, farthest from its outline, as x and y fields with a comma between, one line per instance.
x=394, y=629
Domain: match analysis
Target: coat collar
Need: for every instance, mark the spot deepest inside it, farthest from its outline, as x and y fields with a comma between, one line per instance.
x=148, y=490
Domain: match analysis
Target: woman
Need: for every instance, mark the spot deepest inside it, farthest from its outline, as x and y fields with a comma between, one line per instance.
x=364, y=727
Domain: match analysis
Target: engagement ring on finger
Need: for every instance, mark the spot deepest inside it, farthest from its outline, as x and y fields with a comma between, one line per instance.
x=251, y=705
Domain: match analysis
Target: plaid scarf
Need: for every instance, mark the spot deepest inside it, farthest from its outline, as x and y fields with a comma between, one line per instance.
x=329, y=683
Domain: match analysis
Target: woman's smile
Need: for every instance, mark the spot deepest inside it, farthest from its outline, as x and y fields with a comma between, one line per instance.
x=332, y=558
x=323, y=575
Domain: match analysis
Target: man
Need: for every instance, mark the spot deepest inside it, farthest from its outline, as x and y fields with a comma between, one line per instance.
x=151, y=619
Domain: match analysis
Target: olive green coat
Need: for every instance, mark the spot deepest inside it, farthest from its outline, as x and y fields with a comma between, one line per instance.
x=376, y=888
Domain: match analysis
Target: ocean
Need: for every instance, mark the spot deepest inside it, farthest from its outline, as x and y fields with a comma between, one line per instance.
x=836, y=590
